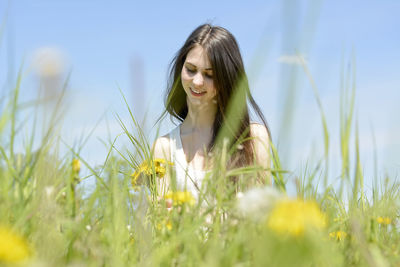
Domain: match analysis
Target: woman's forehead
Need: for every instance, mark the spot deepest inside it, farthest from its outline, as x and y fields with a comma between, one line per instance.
x=198, y=57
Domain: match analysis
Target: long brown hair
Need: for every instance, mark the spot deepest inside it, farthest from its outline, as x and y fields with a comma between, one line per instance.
x=229, y=79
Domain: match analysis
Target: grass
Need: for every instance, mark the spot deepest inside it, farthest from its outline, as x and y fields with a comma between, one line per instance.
x=48, y=217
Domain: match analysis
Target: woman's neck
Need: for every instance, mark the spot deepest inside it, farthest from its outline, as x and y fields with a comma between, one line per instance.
x=200, y=117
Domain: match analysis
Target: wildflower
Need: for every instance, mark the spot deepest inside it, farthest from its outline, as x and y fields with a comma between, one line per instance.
x=131, y=239
x=294, y=216
x=49, y=190
x=49, y=61
x=147, y=169
x=76, y=165
x=257, y=202
x=180, y=197
x=167, y=224
x=88, y=227
x=13, y=248
x=384, y=220
x=338, y=235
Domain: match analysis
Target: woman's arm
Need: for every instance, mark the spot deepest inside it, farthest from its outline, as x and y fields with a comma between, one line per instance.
x=262, y=150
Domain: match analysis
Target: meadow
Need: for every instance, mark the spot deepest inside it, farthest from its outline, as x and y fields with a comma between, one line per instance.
x=47, y=219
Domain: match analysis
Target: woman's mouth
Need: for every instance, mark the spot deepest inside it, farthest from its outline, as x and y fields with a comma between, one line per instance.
x=196, y=92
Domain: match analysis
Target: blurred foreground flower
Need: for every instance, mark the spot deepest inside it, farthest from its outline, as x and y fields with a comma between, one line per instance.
x=13, y=248
x=384, y=220
x=165, y=224
x=49, y=61
x=76, y=165
x=180, y=197
x=338, y=235
x=295, y=216
x=257, y=202
x=160, y=168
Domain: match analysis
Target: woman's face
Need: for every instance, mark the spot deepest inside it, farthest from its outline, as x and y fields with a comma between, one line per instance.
x=197, y=77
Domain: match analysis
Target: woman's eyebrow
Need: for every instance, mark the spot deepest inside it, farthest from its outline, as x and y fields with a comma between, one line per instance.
x=193, y=65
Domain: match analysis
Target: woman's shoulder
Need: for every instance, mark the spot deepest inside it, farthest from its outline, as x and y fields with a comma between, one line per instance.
x=161, y=146
x=259, y=130
x=261, y=144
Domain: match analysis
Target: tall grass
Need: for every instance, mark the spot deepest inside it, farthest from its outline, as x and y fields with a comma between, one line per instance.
x=114, y=225
x=123, y=224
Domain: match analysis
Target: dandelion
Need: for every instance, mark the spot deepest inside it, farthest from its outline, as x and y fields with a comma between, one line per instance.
x=49, y=61
x=166, y=224
x=147, y=169
x=131, y=239
x=49, y=191
x=338, y=235
x=180, y=197
x=76, y=165
x=13, y=248
x=384, y=220
x=337, y=219
x=295, y=216
x=257, y=202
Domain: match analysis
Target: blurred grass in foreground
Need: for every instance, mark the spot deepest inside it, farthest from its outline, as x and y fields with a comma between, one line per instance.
x=47, y=220
x=120, y=223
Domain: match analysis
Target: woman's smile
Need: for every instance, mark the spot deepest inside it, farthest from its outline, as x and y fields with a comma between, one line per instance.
x=197, y=92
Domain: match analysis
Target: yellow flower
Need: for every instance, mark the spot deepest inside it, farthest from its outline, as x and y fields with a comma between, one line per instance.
x=13, y=248
x=338, y=235
x=76, y=165
x=294, y=216
x=147, y=169
x=167, y=225
x=180, y=197
x=131, y=239
x=384, y=220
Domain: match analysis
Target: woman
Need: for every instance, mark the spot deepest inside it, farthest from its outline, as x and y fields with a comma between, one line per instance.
x=208, y=93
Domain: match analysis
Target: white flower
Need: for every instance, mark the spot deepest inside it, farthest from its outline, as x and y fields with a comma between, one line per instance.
x=257, y=202
x=49, y=191
x=88, y=227
x=48, y=61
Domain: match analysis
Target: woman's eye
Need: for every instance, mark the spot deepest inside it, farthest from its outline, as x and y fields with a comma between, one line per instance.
x=190, y=70
x=209, y=75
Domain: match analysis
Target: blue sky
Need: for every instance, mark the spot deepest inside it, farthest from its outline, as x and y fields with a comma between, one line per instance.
x=102, y=40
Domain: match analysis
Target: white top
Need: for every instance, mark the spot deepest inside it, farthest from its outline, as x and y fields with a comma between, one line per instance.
x=187, y=178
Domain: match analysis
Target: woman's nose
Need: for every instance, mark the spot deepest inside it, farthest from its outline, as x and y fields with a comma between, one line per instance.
x=198, y=80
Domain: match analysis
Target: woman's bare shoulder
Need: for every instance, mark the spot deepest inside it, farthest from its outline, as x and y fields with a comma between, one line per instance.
x=161, y=147
x=259, y=130
x=261, y=144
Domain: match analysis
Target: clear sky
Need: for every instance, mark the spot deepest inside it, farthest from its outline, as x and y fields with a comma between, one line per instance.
x=128, y=44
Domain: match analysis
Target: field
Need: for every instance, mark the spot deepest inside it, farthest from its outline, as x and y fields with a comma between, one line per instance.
x=48, y=217
x=47, y=220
